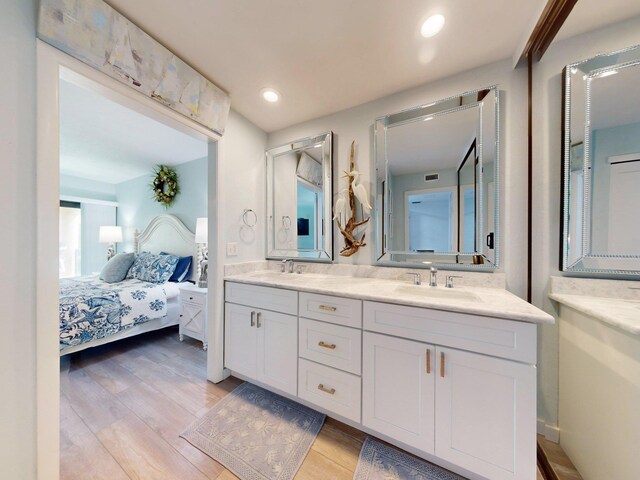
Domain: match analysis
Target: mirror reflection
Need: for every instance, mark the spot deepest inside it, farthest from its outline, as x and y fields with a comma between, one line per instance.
x=298, y=199
x=602, y=164
x=437, y=182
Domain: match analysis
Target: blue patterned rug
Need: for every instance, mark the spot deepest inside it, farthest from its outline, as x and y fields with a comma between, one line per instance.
x=256, y=434
x=380, y=462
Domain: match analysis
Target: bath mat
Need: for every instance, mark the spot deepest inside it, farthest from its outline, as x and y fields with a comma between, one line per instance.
x=380, y=462
x=256, y=434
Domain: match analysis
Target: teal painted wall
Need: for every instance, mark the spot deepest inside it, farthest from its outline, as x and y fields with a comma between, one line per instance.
x=607, y=142
x=136, y=205
x=80, y=187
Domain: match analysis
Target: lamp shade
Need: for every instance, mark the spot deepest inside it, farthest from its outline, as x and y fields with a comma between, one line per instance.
x=110, y=234
x=202, y=230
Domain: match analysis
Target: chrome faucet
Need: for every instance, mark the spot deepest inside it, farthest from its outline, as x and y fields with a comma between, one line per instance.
x=433, y=279
x=286, y=264
x=450, y=278
x=417, y=278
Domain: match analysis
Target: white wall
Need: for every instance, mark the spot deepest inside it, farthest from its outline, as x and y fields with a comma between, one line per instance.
x=356, y=124
x=242, y=186
x=547, y=101
x=17, y=242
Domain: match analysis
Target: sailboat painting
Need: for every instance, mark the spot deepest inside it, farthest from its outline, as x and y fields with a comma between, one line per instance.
x=96, y=34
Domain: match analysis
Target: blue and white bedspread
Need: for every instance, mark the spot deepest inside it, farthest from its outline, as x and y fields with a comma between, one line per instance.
x=91, y=309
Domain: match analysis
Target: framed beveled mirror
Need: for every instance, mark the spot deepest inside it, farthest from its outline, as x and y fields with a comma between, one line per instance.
x=299, y=195
x=437, y=183
x=601, y=165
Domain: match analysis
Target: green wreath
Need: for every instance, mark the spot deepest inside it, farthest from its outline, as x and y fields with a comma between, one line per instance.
x=165, y=185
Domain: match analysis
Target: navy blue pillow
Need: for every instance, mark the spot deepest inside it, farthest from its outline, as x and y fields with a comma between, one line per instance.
x=183, y=269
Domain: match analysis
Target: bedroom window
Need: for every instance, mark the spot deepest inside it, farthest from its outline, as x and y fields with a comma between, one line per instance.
x=70, y=239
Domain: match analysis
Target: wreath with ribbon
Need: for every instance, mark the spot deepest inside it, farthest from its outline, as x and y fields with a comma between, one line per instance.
x=165, y=185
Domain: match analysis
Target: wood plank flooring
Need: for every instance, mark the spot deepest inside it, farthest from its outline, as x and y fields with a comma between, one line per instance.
x=124, y=405
x=558, y=464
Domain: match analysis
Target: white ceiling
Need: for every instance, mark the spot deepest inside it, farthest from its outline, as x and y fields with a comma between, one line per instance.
x=433, y=145
x=102, y=140
x=589, y=15
x=326, y=56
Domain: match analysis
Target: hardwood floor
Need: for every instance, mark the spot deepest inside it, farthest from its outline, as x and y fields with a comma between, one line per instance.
x=124, y=405
x=555, y=462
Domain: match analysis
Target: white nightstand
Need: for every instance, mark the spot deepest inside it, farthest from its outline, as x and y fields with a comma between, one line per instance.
x=193, y=315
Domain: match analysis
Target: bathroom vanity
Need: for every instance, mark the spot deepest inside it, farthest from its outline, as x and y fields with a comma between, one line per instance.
x=447, y=374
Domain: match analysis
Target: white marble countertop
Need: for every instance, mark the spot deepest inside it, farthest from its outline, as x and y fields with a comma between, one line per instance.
x=618, y=312
x=490, y=302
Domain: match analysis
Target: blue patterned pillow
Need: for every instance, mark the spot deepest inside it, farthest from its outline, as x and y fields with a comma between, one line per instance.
x=155, y=268
x=137, y=264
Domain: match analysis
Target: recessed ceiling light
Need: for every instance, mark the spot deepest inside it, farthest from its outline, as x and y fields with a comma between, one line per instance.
x=270, y=95
x=432, y=26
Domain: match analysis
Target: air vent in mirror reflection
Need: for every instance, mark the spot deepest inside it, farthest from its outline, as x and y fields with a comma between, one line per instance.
x=432, y=177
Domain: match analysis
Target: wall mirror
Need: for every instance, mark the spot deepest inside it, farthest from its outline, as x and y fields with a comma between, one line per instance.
x=601, y=165
x=437, y=183
x=299, y=195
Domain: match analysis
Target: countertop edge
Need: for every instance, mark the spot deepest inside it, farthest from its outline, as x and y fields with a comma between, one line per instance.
x=573, y=301
x=539, y=319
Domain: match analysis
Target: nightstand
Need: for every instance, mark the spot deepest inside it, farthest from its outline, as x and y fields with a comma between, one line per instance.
x=193, y=313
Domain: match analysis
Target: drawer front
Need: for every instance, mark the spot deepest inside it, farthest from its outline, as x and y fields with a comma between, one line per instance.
x=492, y=336
x=332, y=345
x=328, y=388
x=195, y=298
x=342, y=311
x=274, y=299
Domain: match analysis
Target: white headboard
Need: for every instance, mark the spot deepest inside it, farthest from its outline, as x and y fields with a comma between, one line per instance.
x=166, y=233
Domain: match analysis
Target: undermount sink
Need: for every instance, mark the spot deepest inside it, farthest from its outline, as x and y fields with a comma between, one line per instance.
x=438, y=293
x=270, y=275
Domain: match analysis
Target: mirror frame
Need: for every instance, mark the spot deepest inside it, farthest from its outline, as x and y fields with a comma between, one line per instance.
x=444, y=106
x=604, y=264
x=324, y=255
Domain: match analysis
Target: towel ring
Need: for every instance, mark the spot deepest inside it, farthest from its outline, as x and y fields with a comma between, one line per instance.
x=286, y=222
x=247, y=217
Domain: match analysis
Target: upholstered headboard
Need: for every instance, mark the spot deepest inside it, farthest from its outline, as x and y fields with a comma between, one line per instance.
x=166, y=233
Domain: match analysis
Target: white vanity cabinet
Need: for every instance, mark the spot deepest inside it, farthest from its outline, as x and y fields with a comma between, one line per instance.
x=262, y=344
x=452, y=387
x=398, y=389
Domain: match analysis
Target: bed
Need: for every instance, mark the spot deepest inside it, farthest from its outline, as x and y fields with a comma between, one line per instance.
x=93, y=312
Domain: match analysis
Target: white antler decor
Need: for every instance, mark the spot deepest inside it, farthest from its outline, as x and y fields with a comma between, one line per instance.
x=353, y=191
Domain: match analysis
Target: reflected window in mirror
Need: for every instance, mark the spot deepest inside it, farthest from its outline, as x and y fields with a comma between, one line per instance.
x=299, y=178
x=437, y=181
x=601, y=165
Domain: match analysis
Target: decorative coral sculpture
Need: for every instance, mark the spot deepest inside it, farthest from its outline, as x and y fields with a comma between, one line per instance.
x=342, y=210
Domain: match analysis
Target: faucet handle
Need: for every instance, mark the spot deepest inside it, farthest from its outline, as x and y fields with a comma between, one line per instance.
x=417, y=278
x=449, y=282
x=300, y=269
x=434, y=269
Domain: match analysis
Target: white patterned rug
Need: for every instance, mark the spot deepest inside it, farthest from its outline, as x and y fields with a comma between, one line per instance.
x=256, y=434
x=380, y=462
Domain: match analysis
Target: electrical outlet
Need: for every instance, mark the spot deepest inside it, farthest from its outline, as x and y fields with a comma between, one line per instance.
x=232, y=249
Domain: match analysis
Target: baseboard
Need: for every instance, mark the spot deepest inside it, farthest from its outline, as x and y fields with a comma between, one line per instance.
x=550, y=432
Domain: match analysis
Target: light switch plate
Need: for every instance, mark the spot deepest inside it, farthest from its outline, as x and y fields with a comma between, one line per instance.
x=232, y=249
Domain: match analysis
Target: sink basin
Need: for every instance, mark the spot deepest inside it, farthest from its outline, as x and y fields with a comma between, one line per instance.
x=438, y=293
x=270, y=275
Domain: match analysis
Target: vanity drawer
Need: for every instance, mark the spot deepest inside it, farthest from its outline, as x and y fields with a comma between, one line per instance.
x=492, y=336
x=342, y=311
x=328, y=388
x=332, y=345
x=268, y=298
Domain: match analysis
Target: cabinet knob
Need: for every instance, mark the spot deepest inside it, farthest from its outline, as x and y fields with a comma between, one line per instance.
x=180, y=315
x=190, y=298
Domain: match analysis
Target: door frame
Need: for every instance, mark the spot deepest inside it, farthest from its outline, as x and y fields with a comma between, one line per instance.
x=454, y=211
x=52, y=65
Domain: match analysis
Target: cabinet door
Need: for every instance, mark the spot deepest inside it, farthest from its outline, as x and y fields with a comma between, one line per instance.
x=240, y=340
x=486, y=414
x=278, y=350
x=398, y=378
x=193, y=320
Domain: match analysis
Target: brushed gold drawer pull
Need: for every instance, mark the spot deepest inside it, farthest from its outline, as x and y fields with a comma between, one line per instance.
x=330, y=346
x=327, y=308
x=442, y=364
x=428, y=360
x=330, y=391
